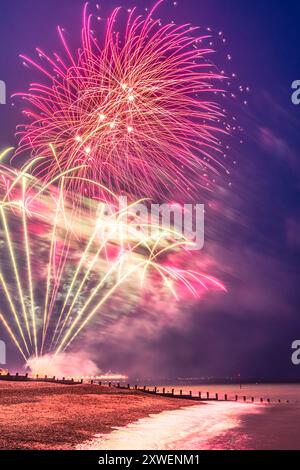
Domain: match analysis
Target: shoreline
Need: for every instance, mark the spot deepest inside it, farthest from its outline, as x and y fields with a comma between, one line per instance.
x=41, y=416
x=218, y=426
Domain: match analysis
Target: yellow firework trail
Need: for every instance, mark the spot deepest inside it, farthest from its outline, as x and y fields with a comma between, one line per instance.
x=6, y=152
x=12, y=335
x=110, y=292
x=16, y=272
x=69, y=256
x=93, y=312
x=85, y=278
x=13, y=309
x=28, y=260
x=45, y=317
x=89, y=301
x=77, y=271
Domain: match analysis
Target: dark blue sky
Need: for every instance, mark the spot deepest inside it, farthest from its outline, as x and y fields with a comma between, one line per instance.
x=258, y=244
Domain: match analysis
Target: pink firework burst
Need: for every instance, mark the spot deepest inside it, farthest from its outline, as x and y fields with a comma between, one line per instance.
x=136, y=110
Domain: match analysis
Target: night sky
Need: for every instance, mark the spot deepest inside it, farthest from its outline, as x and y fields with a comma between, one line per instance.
x=253, y=237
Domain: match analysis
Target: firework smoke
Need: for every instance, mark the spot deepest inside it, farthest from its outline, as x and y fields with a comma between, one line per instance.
x=63, y=365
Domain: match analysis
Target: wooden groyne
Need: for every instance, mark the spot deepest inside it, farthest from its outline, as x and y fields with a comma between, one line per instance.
x=200, y=396
x=162, y=392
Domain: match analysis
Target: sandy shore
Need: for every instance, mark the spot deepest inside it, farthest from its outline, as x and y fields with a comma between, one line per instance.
x=49, y=416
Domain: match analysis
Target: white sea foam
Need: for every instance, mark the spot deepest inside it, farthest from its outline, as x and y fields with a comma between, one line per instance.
x=197, y=427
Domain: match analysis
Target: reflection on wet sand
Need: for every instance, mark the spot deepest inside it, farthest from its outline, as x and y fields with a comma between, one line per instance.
x=205, y=426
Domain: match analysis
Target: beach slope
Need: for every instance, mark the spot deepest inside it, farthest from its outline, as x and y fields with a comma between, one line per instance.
x=42, y=416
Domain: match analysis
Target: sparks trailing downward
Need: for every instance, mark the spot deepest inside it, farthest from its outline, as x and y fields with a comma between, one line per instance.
x=135, y=110
x=60, y=267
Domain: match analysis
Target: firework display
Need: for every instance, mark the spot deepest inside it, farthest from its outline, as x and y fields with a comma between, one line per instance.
x=132, y=112
x=135, y=108
x=65, y=266
x=149, y=229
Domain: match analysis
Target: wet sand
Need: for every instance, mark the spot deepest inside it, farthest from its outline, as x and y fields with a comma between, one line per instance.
x=59, y=417
x=215, y=426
